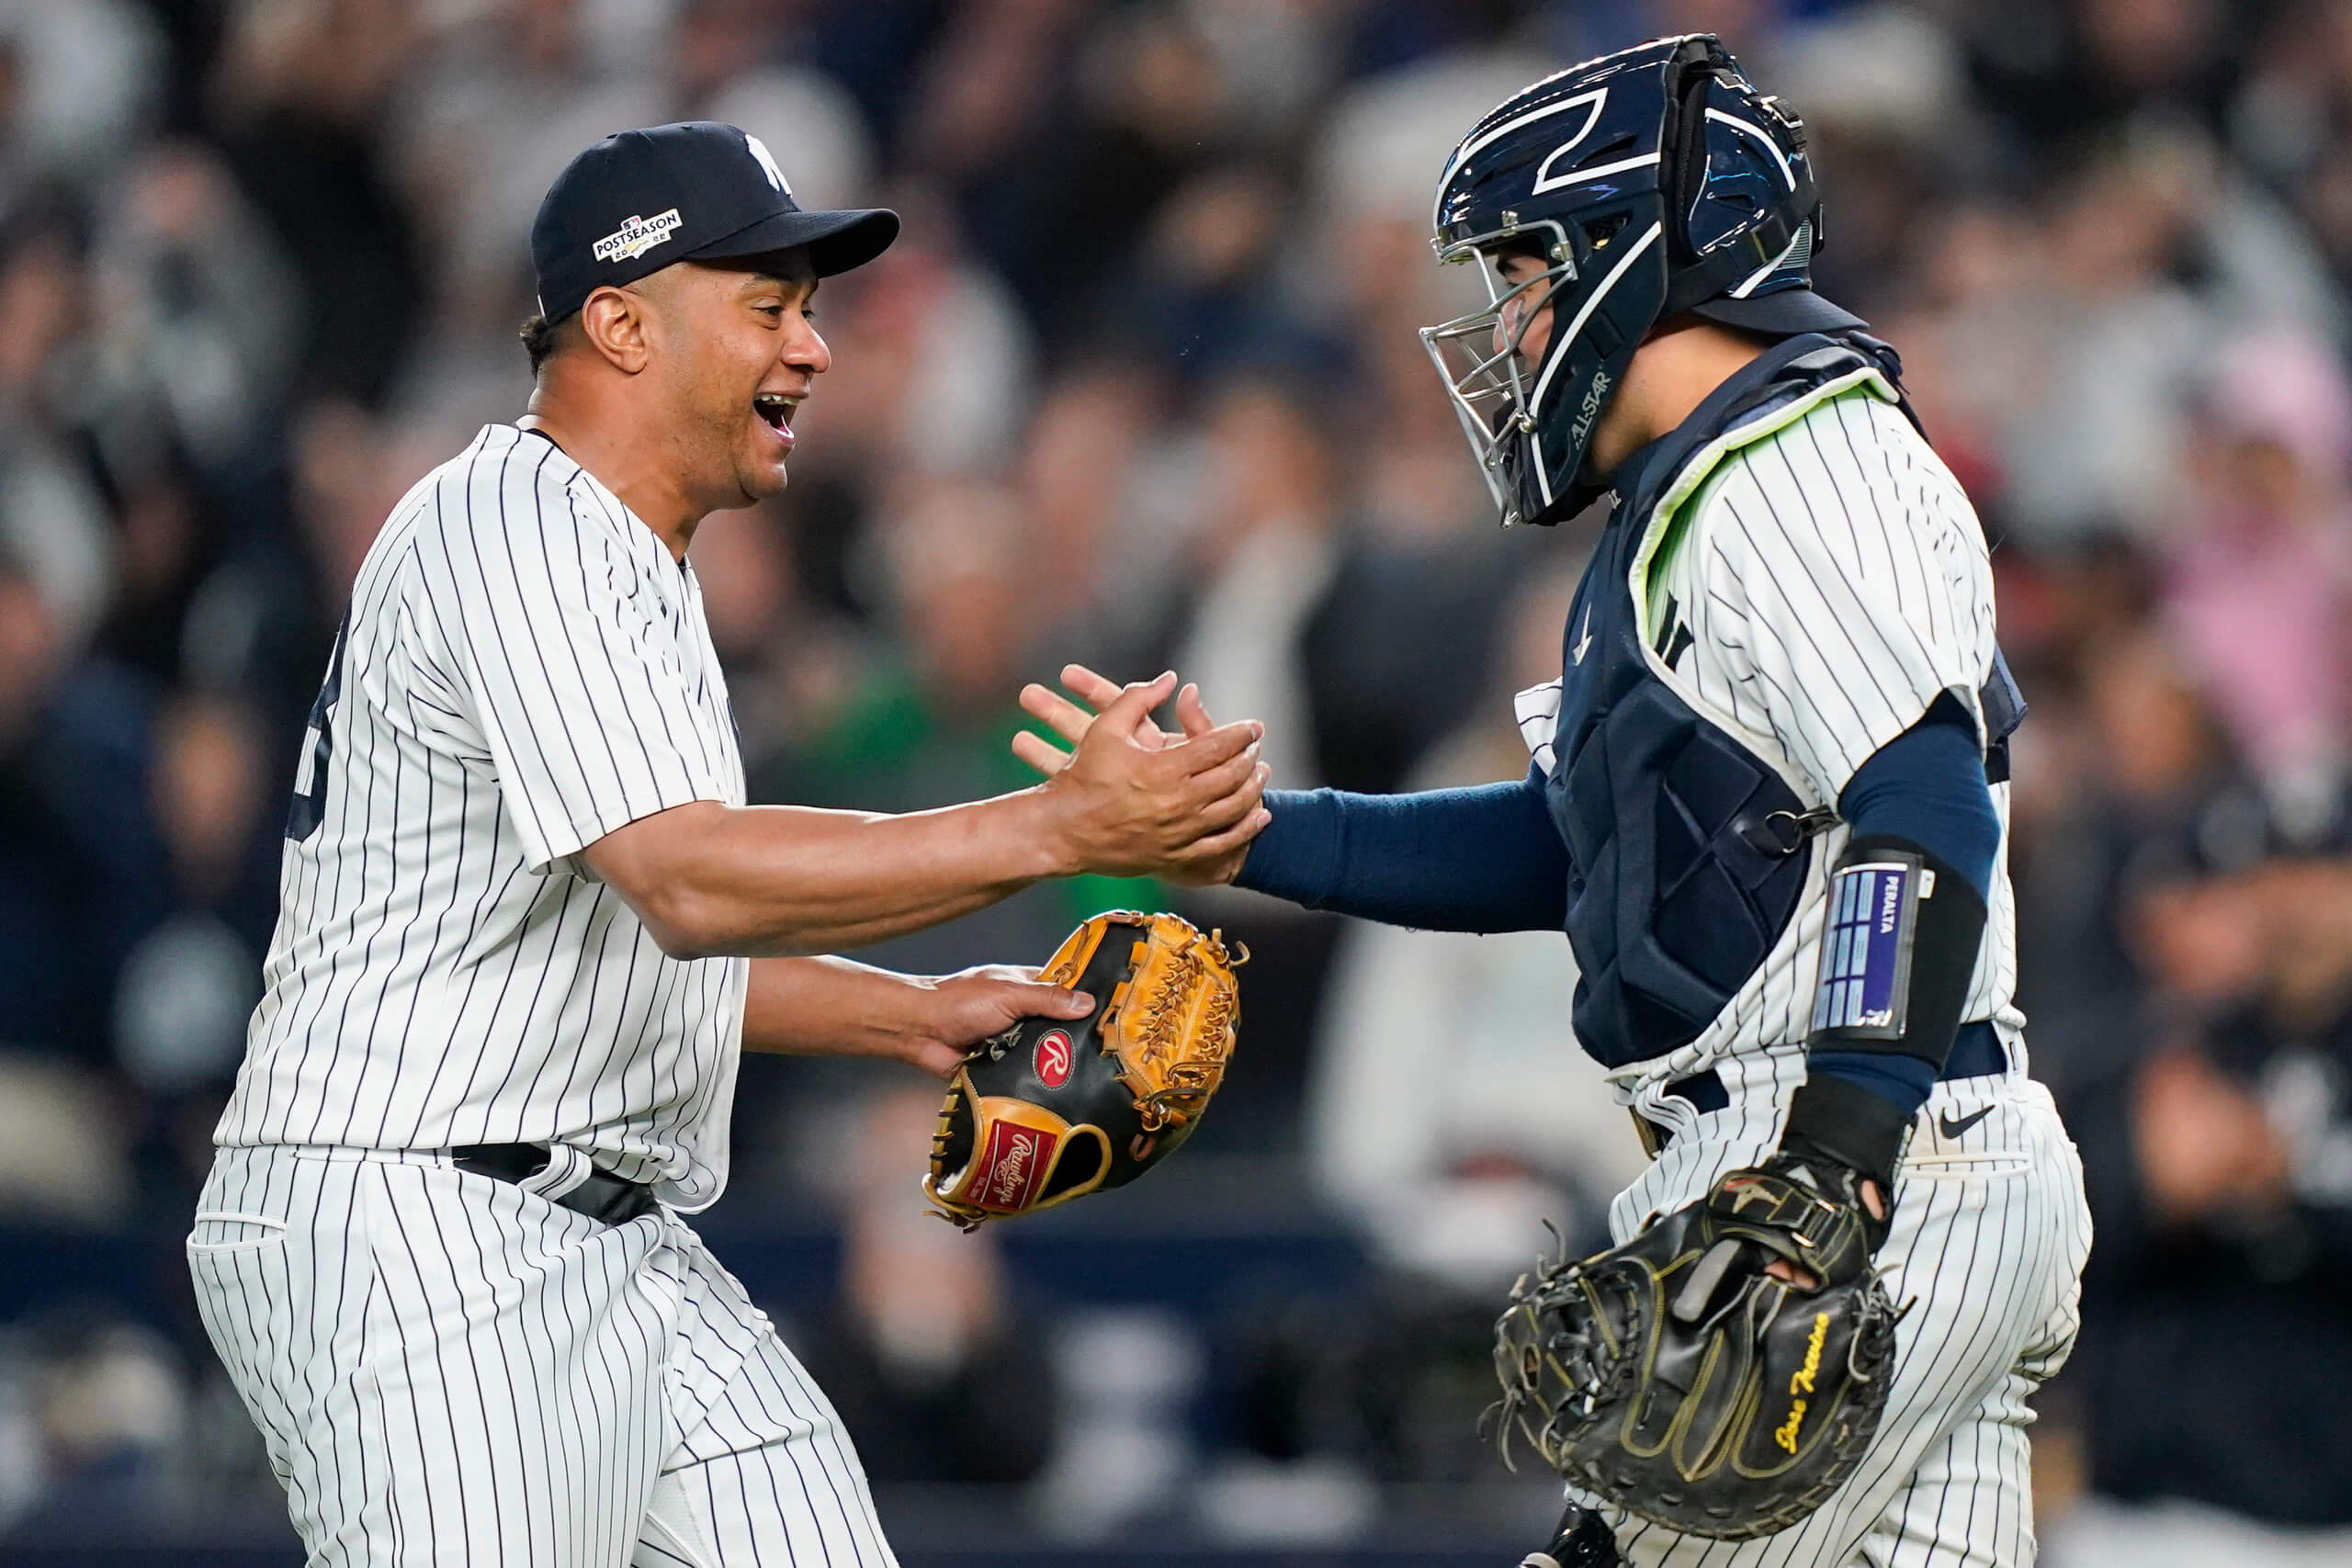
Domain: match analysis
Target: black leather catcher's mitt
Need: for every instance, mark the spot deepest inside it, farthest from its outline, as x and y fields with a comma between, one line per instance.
x=1052, y=1109
x=1676, y=1379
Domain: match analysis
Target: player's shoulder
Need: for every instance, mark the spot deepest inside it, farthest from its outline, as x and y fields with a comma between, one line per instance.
x=1853, y=455
x=1859, y=432
x=503, y=471
x=514, y=487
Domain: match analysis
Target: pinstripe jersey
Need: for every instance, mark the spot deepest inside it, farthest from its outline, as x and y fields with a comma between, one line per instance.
x=1810, y=582
x=523, y=669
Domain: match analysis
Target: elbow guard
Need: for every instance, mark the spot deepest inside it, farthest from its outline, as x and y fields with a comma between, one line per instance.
x=1897, y=958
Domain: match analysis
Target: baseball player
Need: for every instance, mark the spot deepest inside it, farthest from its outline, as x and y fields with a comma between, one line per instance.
x=1768, y=802
x=527, y=921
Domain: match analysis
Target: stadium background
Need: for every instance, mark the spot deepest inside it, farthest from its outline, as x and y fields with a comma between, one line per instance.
x=1140, y=385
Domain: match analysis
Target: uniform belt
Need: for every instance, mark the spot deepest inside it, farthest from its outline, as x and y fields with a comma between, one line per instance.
x=605, y=1197
x=1976, y=1050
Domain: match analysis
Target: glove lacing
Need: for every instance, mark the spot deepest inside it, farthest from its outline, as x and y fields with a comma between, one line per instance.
x=1186, y=1084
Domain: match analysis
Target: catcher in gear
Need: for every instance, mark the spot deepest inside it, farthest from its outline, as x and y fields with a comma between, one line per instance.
x=1769, y=810
x=1052, y=1109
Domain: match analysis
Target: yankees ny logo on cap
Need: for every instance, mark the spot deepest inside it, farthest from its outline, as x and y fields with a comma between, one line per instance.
x=698, y=190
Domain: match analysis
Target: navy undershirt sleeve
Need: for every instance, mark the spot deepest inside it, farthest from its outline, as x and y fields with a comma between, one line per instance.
x=1927, y=785
x=1480, y=859
x=1488, y=858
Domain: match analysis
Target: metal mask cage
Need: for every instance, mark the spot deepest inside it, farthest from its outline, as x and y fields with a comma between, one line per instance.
x=1477, y=356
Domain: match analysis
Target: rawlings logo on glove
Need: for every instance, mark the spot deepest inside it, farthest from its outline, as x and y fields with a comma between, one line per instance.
x=1051, y=1111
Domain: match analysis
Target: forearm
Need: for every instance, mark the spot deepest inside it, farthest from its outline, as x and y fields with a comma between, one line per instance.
x=1920, y=810
x=834, y=1007
x=1486, y=859
x=779, y=880
x=1925, y=791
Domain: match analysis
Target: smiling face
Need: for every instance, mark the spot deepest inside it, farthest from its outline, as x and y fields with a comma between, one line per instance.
x=731, y=352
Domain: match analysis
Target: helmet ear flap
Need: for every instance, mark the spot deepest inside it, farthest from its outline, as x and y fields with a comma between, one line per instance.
x=1685, y=155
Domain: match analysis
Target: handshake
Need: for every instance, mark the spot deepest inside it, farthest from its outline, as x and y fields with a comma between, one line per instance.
x=1131, y=800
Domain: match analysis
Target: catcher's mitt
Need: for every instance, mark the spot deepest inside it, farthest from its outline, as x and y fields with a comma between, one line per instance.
x=1674, y=1378
x=1052, y=1109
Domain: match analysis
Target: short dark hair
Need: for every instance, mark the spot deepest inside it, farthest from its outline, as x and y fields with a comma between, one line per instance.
x=542, y=337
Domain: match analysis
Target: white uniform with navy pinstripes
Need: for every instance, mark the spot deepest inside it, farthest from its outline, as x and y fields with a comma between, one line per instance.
x=1828, y=581
x=449, y=1368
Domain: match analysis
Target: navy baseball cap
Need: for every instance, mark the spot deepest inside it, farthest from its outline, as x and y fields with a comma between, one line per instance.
x=695, y=191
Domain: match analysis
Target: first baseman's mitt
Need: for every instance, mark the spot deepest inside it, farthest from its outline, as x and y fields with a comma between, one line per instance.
x=1049, y=1111
x=1675, y=1379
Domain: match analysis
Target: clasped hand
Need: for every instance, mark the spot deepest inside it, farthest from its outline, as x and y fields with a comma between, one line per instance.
x=1142, y=801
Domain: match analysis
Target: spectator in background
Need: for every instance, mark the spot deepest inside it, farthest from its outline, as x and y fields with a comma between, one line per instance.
x=2092, y=431
x=787, y=668
x=2258, y=589
x=76, y=859
x=935, y=357
x=1512, y=1126
x=1368, y=640
x=79, y=84
x=1204, y=295
x=180, y=1003
x=1269, y=498
x=2217, y=1340
x=69, y=901
x=166, y=543
x=302, y=87
x=199, y=313
x=54, y=522
x=729, y=68
x=1058, y=187
x=1104, y=561
x=936, y=1376
x=104, y=1406
x=2121, y=762
x=1264, y=542
x=933, y=724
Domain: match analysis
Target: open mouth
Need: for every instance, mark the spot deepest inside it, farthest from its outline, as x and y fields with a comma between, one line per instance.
x=775, y=409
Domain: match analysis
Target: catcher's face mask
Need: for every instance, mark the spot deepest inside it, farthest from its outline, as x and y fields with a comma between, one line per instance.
x=1494, y=375
x=1646, y=181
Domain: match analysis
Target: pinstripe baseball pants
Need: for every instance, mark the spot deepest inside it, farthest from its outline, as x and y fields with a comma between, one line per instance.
x=448, y=1369
x=1989, y=1237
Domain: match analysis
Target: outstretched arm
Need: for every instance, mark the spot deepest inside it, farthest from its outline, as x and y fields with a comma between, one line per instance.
x=834, y=1007
x=761, y=881
x=1482, y=859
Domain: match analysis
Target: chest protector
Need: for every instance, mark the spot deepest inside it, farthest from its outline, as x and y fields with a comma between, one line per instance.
x=1689, y=854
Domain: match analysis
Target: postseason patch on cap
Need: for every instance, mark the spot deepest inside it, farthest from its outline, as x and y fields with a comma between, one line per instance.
x=637, y=236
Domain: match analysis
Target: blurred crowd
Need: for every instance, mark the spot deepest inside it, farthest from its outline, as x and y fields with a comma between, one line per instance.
x=1141, y=386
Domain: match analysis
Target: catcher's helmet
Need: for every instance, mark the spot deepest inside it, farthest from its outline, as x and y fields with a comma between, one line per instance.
x=1652, y=182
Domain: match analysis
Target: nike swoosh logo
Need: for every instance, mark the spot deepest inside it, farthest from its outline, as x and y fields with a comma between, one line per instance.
x=1952, y=1129
x=1584, y=636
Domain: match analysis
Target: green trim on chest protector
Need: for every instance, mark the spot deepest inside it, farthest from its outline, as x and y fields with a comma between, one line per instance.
x=1688, y=853
x=1707, y=472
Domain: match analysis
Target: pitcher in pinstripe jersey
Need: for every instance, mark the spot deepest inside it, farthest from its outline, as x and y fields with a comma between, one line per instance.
x=528, y=923
x=1769, y=797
